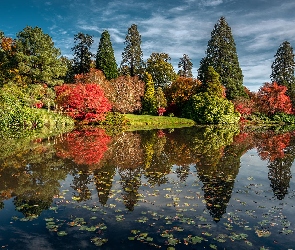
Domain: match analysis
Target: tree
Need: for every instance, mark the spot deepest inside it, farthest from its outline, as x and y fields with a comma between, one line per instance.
x=179, y=92
x=283, y=69
x=83, y=101
x=185, y=66
x=8, y=61
x=272, y=98
x=82, y=54
x=149, y=105
x=132, y=62
x=222, y=56
x=212, y=84
x=38, y=60
x=105, y=58
x=210, y=109
x=161, y=69
x=128, y=92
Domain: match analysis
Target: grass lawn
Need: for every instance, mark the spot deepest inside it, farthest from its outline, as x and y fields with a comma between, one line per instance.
x=141, y=122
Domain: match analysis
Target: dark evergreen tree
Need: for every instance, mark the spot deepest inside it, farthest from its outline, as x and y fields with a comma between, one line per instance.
x=105, y=58
x=185, y=66
x=38, y=60
x=283, y=69
x=222, y=56
x=132, y=62
x=82, y=54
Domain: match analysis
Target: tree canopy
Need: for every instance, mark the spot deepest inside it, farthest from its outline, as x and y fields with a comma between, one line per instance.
x=82, y=53
x=37, y=58
x=105, y=58
x=161, y=69
x=221, y=54
x=283, y=69
x=185, y=66
x=132, y=62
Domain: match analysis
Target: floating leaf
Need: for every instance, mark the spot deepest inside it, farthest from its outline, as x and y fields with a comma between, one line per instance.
x=61, y=233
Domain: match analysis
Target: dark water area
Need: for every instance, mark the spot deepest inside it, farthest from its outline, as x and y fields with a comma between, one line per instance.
x=190, y=188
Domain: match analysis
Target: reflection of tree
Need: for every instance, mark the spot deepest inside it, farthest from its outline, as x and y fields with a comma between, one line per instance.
x=279, y=150
x=80, y=184
x=125, y=151
x=218, y=174
x=182, y=172
x=156, y=164
x=34, y=179
x=131, y=181
x=83, y=146
x=103, y=179
x=280, y=175
x=270, y=146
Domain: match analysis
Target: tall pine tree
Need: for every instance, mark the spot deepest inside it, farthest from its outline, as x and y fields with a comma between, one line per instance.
x=82, y=53
x=185, y=66
x=222, y=56
x=105, y=58
x=132, y=62
x=283, y=69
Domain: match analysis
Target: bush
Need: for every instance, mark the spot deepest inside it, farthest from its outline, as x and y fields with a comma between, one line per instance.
x=284, y=118
x=84, y=102
x=15, y=116
x=209, y=109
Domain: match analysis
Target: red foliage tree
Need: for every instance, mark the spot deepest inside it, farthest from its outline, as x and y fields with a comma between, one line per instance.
x=84, y=147
x=128, y=92
x=272, y=98
x=244, y=106
x=83, y=101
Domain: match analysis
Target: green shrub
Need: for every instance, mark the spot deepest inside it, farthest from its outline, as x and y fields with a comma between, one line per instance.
x=14, y=115
x=204, y=108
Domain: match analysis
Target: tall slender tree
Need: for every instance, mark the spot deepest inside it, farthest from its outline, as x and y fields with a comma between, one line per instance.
x=132, y=62
x=283, y=69
x=185, y=65
x=221, y=54
x=105, y=58
x=82, y=53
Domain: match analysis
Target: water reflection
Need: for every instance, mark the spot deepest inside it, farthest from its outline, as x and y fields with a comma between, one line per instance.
x=32, y=174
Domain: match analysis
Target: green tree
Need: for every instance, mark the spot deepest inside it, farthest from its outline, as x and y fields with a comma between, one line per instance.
x=160, y=98
x=212, y=84
x=283, y=69
x=222, y=56
x=185, y=65
x=161, y=69
x=132, y=62
x=105, y=58
x=82, y=53
x=38, y=60
x=149, y=105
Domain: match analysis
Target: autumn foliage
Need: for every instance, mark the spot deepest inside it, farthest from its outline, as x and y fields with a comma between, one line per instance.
x=272, y=98
x=127, y=95
x=271, y=146
x=84, y=147
x=83, y=101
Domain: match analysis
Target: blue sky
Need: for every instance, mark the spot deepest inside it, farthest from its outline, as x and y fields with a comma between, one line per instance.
x=171, y=26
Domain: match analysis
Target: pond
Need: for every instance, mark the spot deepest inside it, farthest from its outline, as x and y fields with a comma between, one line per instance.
x=189, y=188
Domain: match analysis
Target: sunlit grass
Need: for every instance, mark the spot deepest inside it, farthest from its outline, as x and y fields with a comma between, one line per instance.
x=157, y=122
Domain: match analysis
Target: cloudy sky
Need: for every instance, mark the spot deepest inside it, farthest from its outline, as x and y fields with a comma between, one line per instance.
x=171, y=26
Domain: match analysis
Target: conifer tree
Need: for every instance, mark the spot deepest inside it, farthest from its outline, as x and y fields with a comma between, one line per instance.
x=149, y=104
x=132, y=62
x=185, y=66
x=82, y=53
x=222, y=56
x=105, y=58
x=283, y=69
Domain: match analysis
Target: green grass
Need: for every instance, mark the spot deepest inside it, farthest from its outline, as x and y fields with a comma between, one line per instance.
x=142, y=122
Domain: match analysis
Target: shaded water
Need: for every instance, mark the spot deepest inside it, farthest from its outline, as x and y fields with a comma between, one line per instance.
x=192, y=188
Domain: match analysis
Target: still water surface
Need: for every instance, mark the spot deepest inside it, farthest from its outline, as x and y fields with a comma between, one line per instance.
x=192, y=188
